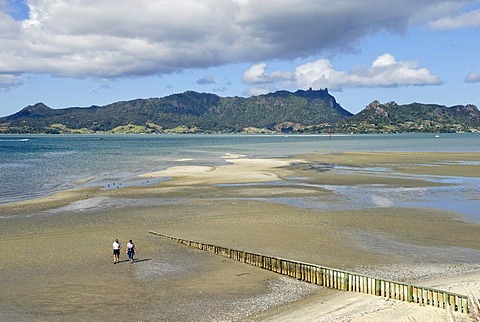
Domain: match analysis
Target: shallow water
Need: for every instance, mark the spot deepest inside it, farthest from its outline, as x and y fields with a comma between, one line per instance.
x=460, y=195
x=37, y=165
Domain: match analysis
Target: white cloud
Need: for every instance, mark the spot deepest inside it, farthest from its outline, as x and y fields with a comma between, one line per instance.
x=258, y=90
x=116, y=38
x=472, y=77
x=8, y=81
x=465, y=20
x=257, y=75
x=385, y=71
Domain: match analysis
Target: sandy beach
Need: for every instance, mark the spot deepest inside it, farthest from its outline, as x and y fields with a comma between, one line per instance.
x=58, y=264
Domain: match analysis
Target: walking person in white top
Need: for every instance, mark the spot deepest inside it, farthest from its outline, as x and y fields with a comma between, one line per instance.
x=131, y=250
x=116, y=251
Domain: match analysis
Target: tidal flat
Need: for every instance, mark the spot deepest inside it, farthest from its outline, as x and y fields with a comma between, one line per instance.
x=58, y=264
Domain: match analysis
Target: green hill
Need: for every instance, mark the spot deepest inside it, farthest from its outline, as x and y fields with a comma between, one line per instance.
x=191, y=110
x=415, y=117
x=311, y=111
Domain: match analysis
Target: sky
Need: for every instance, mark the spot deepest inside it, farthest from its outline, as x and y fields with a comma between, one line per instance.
x=68, y=53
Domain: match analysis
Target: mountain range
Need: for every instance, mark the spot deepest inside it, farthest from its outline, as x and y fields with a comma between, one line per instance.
x=303, y=111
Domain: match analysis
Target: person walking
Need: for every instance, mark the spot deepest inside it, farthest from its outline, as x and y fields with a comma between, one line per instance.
x=116, y=251
x=131, y=250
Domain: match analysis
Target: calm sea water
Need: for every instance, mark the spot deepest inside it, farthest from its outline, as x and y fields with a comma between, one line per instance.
x=36, y=165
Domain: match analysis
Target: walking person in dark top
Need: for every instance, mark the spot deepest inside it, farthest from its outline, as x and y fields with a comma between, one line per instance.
x=131, y=250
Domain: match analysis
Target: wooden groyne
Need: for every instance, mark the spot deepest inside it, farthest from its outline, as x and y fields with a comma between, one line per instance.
x=337, y=279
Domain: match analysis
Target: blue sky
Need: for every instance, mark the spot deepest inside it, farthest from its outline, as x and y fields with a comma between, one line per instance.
x=68, y=53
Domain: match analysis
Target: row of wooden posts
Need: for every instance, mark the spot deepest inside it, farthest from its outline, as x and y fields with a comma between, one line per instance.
x=338, y=279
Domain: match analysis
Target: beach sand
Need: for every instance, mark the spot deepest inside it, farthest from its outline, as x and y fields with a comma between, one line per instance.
x=58, y=264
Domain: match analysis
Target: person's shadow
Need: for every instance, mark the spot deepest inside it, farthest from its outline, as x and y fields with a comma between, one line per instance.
x=136, y=260
x=141, y=260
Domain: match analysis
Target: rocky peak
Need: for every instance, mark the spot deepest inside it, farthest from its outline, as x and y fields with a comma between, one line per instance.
x=472, y=109
x=377, y=108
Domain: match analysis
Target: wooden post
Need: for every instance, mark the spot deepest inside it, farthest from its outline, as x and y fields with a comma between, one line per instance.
x=453, y=302
x=410, y=293
x=346, y=277
x=378, y=291
x=320, y=277
x=441, y=300
x=464, y=305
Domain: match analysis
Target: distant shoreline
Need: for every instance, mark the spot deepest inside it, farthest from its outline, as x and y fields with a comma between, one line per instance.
x=302, y=111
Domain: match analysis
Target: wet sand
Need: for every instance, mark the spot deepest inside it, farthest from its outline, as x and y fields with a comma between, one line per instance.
x=59, y=264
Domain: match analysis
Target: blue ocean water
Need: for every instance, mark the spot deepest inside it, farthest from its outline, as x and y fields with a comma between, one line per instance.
x=37, y=165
